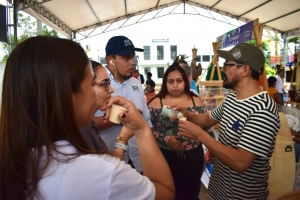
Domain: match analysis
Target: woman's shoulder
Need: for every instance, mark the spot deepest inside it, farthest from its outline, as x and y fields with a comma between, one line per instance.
x=197, y=100
x=66, y=156
x=155, y=103
x=94, y=162
x=191, y=100
x=91, y=169
x=65, y=150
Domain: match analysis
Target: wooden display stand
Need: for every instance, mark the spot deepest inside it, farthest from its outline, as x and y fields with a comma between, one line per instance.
x=257, y=32
x=282, y=162
x=212, y=82
x=208, y=98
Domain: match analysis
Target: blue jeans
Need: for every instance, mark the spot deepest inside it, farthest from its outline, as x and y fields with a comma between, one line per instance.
x=297, y=151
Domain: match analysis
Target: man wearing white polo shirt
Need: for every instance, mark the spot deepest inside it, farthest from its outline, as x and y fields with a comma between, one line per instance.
x=279, y=84
x=120, y=53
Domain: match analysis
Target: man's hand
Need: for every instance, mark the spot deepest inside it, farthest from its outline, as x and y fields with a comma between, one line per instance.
x=183, y=110
x=189, y=129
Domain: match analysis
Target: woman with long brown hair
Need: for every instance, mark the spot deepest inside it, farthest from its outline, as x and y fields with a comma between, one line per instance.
x=184, y=156
x=47, y=96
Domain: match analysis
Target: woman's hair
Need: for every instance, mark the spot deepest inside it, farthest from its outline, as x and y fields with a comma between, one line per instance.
x=271, y=81
x=95, y=65
x=164, y=91
x=40, y=77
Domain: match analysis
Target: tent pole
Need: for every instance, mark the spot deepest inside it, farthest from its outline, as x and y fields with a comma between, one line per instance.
x=257, y=30
x=15, y=23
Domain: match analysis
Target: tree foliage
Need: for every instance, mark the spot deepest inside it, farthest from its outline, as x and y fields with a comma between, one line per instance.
x=294, y=40
x=51, y=33
x=26, y=28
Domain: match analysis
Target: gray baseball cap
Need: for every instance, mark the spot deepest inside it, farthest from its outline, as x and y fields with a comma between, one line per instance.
x=247, y=54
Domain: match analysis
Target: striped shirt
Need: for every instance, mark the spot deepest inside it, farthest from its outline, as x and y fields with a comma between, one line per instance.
x=251, y=124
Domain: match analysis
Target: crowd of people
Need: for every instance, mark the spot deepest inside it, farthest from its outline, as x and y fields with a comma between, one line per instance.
x=64, y=146
x=49, y=91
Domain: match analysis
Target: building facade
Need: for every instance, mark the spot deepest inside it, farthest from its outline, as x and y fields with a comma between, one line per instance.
x=158, y=54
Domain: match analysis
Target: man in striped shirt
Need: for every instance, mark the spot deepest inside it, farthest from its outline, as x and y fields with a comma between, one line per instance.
x=249, y=123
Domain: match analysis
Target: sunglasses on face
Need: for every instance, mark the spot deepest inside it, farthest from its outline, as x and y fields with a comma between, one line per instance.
x=227, y=65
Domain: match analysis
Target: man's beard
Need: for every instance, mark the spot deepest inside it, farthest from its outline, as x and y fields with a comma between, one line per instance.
x=125, y=77
x=230, y=85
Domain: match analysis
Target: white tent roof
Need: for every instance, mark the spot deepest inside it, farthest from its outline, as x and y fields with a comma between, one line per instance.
x=90, y=17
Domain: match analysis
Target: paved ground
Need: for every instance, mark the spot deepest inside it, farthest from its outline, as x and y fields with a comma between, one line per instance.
x=203, y=193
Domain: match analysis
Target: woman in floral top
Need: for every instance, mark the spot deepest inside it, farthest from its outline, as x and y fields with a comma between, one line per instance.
x=184, y=155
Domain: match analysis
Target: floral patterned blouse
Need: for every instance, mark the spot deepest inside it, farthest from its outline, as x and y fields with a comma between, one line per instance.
x=165, y=126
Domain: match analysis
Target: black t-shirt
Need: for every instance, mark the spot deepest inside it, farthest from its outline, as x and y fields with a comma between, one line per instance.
x=149, y=84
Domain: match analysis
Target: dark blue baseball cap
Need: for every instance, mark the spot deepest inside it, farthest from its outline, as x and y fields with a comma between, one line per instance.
x=120, y=45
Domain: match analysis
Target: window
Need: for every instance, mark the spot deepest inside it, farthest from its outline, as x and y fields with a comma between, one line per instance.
x=146, y=52
x=87, y=48
x=160, y=72
x=205, y=58
x=173, y=51
x=146, y=70
x=160, y=52
x=102, y=60
x=198, y=58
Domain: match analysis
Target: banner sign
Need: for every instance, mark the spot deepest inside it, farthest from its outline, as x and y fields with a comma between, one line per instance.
x=236, y=36
x=160, y=40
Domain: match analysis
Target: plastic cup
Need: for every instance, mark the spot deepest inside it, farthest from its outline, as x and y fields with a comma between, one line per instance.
x=114, y=113
x=181, y=117
x=169, y=112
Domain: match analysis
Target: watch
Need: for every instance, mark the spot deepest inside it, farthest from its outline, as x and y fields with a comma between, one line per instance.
x=121, y=146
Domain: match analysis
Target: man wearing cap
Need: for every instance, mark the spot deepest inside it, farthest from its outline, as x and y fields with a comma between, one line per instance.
x=249, y=123
x=120, y=53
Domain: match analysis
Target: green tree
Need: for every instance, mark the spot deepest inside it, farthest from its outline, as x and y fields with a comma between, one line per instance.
x=27, y=28
x=51, y=33
x=294, y=40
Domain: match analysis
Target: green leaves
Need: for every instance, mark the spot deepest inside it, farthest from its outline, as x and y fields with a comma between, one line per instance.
x=27, y=27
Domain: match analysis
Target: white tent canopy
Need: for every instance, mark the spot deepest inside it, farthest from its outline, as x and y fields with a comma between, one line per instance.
x=91, y=17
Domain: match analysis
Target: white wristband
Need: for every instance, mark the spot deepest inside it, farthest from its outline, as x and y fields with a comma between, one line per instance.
x=121, y=146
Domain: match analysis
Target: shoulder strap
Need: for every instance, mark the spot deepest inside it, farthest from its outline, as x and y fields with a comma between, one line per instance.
x=193, y=100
